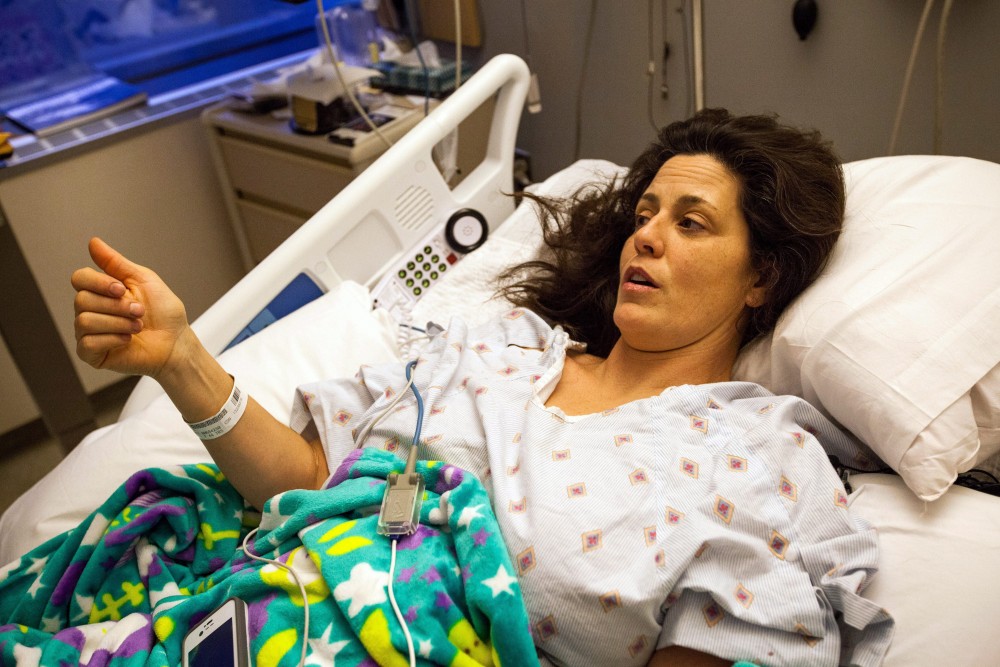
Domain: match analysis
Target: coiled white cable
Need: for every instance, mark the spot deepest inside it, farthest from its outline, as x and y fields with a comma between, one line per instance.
x=405, y=332
x=302, y=590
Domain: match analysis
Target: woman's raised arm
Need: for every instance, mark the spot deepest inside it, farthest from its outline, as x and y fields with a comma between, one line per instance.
x=129, y=321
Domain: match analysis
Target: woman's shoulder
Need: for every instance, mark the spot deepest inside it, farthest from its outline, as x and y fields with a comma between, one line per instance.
x=756, y=406
x=736, y=395
x=748, y=396
x=792, y=417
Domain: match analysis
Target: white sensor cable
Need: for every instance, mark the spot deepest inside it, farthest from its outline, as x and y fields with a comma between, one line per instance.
x=302, y=590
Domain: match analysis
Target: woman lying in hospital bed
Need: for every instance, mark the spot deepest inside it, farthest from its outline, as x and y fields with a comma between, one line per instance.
x=619, y=424
x=898, y=341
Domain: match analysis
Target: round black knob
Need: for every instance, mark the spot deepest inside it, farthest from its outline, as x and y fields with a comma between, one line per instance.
x=466, y=230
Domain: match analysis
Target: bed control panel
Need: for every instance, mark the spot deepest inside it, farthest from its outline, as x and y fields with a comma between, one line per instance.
x=428, y=262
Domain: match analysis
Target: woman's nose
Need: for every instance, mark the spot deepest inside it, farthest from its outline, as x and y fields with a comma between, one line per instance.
x=647, y=238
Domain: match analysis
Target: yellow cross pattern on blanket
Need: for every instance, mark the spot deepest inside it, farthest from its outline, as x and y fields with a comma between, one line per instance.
x=133, y=595
x=126, y=517
x=210, y=536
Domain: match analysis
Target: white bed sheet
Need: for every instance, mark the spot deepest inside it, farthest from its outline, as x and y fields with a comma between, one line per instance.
x=938, y=574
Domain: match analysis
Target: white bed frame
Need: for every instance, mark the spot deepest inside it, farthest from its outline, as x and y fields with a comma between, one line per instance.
x=383, y=212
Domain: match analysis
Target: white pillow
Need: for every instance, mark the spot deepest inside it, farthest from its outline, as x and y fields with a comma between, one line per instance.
x=937, y=571
x=329, y=337
x=899, y=339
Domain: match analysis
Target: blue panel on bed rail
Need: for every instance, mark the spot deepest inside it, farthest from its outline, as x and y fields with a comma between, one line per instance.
x=296, y=294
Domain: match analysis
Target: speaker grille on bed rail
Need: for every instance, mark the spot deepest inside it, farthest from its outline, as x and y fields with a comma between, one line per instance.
x=414, y=208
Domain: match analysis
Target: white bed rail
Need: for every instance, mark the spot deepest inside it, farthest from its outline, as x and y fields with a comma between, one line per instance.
x=388, y=208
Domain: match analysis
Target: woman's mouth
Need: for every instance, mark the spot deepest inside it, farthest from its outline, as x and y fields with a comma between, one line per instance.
x=637, y=279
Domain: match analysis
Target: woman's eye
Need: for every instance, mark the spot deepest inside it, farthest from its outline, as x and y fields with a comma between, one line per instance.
x=688, y=223
x=640, y=220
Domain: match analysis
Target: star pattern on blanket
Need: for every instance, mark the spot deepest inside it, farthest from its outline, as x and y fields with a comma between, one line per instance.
x=272, y=517
x=500, y=582
x=325, y=650
x=35, y=587
x=37, y=564
x=51, y=624
x=442, y=600
x=25, y=655
x=469, y=514
x=366, y=586
x=308, y=575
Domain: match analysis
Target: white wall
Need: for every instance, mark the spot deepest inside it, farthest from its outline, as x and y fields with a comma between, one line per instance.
x=844, y=80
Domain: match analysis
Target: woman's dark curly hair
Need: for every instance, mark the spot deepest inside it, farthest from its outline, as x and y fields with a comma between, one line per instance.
x=791, y=193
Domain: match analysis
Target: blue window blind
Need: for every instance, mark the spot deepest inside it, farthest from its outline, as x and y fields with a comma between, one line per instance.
x=161, y=45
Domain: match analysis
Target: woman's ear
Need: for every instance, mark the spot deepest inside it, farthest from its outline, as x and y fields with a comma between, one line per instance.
x=763, y=279
x=756, y=296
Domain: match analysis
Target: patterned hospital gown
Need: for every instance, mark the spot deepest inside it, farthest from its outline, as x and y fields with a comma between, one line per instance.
x=707, y=516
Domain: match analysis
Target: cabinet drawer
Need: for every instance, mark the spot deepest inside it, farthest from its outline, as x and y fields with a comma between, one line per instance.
x=266, y=228
x=292, y=181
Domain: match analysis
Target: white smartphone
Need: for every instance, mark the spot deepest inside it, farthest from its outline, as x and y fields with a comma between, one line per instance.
x=221, y=639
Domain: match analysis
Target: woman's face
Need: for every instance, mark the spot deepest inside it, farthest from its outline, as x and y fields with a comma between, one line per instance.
x=685, y=274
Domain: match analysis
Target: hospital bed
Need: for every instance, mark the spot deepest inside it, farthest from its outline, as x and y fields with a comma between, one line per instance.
x=899, y=341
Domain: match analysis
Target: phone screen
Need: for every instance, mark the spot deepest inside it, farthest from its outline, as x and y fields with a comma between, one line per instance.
x=216, y=650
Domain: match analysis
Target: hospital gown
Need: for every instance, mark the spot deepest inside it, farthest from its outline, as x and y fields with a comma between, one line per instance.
x=707, y=516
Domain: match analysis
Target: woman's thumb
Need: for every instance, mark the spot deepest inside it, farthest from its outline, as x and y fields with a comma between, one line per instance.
x=111, y=261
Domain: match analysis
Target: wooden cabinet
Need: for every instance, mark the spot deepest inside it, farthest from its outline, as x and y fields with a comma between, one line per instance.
x=274, y=179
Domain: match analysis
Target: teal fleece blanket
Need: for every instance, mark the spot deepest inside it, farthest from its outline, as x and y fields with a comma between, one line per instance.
x=125, y=586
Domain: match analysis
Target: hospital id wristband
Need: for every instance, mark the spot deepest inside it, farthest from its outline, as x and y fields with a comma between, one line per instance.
x=225, y=419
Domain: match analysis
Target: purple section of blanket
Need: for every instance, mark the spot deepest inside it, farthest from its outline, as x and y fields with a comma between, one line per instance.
x=417, y=538
x=71, y=637
x=344, y=469
x=128, y=531
x=449, y=478
x=140, y=481
x=257, y=615
x=62, y=591
x=140, y=641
